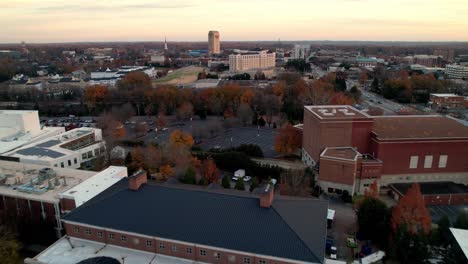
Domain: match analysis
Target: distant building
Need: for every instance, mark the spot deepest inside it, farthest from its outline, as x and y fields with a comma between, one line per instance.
x=285, y=230
x=22, y=127
x=110, y=77
x=257, y=60
x=446, y=54
x=353, y=149
x=41, y=195
x=447, y=101
x=370, y=62
x=73, y=149
x=454, y=71
x=426, y=60
x=214, y=46
x=301, y=51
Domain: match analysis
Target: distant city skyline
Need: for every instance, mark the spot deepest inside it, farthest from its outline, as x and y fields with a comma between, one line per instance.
x=185, y=20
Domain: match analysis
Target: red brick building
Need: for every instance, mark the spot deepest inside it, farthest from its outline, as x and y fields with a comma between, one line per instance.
x=439, y=101
x=353, y=149
x=207, y=226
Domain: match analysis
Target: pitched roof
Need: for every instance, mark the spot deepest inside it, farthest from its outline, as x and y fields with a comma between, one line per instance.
x=291, y=228
x=418, y=127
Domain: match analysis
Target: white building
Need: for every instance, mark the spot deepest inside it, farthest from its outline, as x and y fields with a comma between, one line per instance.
x=301, y=51
x=110, y=77
x=454, y=71
x=19, y=128
x=251, y=61
x=73, y=149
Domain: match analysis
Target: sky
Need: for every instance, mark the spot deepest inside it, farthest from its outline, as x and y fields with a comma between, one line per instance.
x=42, y=21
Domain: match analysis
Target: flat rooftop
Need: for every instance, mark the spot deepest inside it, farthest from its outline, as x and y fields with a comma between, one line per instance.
x=13, y=175
x=50, y=148
x=293, y=228
x=446, y=95
x=418, y=127
x=431, y=188
x=345, y=153
x=95, y=185
x=336, y=112
x=61, y=252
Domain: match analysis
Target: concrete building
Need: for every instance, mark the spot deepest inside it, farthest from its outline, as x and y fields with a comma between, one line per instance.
x=257, y=60
x=73, y=149
x=36, y=193
x=198, y=225
x=426, y=60
x=19, y=128
x=301, y=51
x=370, y=62
x=453, y=71
x=214, y=45
x=353, y=149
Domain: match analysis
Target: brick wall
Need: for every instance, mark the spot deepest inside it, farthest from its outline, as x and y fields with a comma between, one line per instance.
x=166, y=247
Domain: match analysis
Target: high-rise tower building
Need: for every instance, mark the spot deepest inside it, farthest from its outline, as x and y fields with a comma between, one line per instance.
x=214, y=46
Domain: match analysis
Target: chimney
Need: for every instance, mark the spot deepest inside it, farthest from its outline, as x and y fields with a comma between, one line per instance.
x=266, y=197
x=136, y=180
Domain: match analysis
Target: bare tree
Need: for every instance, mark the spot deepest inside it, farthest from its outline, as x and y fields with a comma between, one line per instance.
x=294, y=181
x=244, y=113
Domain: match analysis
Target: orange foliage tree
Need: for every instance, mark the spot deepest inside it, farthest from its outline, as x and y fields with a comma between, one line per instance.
x=166, y=171
x=135, y=80
x=209, y=171
x=341, y=99
x=180, y=138
x=373, y=190
x=412, y=211
x=288, y=140
x=96, y=94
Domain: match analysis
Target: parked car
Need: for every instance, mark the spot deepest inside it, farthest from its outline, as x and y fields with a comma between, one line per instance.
x=247, y=178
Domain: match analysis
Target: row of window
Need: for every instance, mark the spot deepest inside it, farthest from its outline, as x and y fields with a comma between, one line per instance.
x=69, y=162
x=149, y=243
x=414, y=160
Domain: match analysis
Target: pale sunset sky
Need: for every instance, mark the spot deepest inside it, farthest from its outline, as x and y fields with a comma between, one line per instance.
x=190, y=20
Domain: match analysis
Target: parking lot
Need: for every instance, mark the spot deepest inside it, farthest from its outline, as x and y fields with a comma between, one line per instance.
x=233, y=137
x=451, y=211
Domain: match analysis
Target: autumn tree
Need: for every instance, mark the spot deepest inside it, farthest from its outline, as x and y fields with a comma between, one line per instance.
x=185, y=111
x=160, y=121
x=180, y=138
x=141, y=129
x=373, y=190
x=288, y=140
x=165, y=172
x=412, y=212
x=244, y=113
x=209, y=171
x=96, y=95
x=135, y=80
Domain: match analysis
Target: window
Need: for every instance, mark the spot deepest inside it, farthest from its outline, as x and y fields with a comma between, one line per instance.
x=69, y=162
x=428, y=162
x=55, y=165
x=443, y=161
x=83, y=156
x=123, y=238
x=99, y=234
x=149, y=243
x=413, y=162
x=62, y=165
x=161, y=245
x=188, y=250
x=202, y=252
x=246, y=260
x=88, y=231
x=174, y=248
x=76, y=229
x=261, y=261
x=90, y=154
x=111, y=236
x=217, y=255
x=96, y=152
x=75, y=160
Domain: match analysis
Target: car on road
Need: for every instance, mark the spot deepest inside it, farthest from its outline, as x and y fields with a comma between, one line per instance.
x=330, y=248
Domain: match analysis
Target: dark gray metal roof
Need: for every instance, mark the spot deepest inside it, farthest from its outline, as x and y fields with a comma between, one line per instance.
x=291, y=228
x=35, y=151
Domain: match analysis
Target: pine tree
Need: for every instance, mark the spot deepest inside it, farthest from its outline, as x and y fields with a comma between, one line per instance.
x=225, y=182
x=254, y=184
x=240, y=185
x=189, y=176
